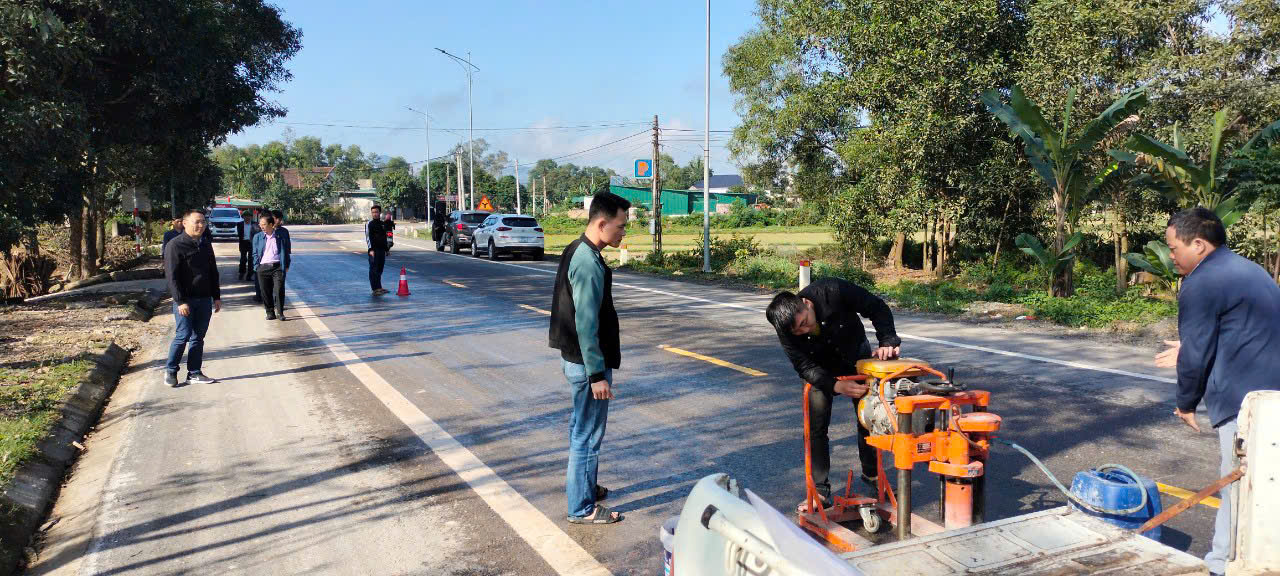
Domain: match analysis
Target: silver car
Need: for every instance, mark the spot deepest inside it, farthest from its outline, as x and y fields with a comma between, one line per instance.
x=224, y=223
x=514, y=234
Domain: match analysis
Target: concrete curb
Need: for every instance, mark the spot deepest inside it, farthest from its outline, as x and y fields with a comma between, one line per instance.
x=145, y=306
x=28, y=497
x=124, y=273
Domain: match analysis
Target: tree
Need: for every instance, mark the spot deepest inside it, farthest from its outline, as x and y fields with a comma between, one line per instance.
x=1059, y=155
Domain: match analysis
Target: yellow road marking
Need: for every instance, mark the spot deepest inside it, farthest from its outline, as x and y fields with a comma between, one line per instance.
x=1177, y=492
x=716, y=361
x=538, y=310
x=455, y=284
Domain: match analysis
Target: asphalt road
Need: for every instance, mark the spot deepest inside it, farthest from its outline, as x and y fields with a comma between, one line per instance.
x=427, y=434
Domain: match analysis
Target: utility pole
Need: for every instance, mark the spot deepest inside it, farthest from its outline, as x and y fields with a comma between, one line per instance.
x=427, y=120
x=448, y=183
x=706, y=158
x=533, y=194
x=546, y=208
x=657, y=194
x=517, y=185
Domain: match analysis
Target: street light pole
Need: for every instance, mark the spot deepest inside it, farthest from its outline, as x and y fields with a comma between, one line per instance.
x=427, y=119
x=469, y=67
x=706, y=158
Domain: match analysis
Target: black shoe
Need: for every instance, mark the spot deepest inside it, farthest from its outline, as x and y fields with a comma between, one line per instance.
x=199, y=378
x=271, y=316
x=281, y=315
x=171, y=379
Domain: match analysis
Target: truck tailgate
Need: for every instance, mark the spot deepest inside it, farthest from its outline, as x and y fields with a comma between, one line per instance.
x=1056, y=542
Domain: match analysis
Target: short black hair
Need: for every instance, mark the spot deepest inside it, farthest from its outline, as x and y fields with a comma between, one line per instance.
x=1198, y=222
x=191, y=211
x=607, y=205
x=268, y=217
x=278, y=214
x=376, y=207
x=782, y=311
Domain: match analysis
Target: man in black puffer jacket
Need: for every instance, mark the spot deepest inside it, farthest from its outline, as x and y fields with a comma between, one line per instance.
x=822, y=335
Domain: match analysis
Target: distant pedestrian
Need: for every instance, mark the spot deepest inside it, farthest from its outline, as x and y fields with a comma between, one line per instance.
x=375, y=239
x=1228, y=337
x=584, y=327
x=245, y=231
x=175, y=228
x=192, y=273
x=271, y=259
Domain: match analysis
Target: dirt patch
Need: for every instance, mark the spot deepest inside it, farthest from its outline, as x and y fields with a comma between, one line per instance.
x=57, y=331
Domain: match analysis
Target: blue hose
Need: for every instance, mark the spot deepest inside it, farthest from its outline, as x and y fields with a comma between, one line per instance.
x=1072, y=497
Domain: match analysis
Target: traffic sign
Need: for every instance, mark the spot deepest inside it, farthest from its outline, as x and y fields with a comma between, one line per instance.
x=644, y=168
x=485, y=204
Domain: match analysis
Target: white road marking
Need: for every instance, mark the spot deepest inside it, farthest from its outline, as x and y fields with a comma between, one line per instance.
x=564, y=555
x=1067, y=363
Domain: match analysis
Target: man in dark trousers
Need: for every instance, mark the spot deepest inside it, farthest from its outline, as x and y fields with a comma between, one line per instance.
x=245, y=231
x=192, y=273
x=375, y=240
x=1228, y=341
x=822, y=334
x=272, y=252
x=584, y=327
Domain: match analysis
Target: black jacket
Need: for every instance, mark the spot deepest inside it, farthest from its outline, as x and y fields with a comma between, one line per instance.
x=375, y=236
x=563, y=334
x=841, y=339
x=191, y=269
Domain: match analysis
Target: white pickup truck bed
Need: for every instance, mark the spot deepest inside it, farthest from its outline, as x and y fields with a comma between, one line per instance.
x=1056, y=542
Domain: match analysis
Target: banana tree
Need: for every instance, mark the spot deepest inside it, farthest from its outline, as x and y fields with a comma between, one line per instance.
x=1058, y=155
x=1188, y=183
x=1054, y=262
x=1156, y=260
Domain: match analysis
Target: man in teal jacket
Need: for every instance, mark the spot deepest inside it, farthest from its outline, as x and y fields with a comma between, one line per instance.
x=584, y=327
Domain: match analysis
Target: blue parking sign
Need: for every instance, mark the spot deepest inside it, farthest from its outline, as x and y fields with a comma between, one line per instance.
x=644, y=168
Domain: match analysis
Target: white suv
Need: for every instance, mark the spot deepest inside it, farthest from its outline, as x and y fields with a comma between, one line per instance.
x=224, y=223
x=514, y=234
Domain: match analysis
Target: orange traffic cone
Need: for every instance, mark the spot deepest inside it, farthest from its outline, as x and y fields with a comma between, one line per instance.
x=403, y=290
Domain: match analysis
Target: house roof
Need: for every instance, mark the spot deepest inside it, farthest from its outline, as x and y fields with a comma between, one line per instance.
x=720, y=181
x=294, y=177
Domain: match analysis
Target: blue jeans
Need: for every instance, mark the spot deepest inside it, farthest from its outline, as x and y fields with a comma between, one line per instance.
x=1217, y=558
x=586, y=431
x=188, y=334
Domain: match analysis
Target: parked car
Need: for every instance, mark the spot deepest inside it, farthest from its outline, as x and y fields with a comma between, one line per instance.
x=224, y=224
x=514, y=234
x=458, y=229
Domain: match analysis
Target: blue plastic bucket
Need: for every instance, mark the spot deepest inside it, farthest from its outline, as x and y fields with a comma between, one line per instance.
x=1116, y=490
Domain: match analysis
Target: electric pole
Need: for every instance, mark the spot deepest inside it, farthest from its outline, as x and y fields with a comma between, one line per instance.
x=706, y=158
x=517, y=185
x=546, y=208
x=657, y=194
x=427, y=120
x=458, y=157
x=533, y=193
x=448, y=181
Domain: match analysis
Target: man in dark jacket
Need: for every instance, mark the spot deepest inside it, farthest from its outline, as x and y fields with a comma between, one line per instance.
x=192, y=272
x=1229, y=341
x=375, y=240
x=272, y=254
x=822, y=334
x=584, y=327
x=245, y=231
x=175, y=230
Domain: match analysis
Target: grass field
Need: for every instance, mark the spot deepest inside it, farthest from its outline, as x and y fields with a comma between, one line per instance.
x=784, y=240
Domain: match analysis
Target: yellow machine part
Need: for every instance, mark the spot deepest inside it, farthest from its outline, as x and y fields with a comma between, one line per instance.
x=881, y=369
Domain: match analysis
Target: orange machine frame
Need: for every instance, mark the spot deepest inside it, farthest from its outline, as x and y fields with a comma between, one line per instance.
x=956, y=453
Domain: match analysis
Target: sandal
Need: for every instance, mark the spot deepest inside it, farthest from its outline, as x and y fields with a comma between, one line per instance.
x=601, y=515
x=602, y=493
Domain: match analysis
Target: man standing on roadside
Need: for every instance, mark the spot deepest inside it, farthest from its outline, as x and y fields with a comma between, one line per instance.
x=584, y=327
x=271, y=255
x=244, y=232
x=1228, y=337
x=822, y=334
x=192, y=273
x=375, y=240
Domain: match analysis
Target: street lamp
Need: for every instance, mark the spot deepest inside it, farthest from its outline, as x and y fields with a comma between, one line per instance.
x=427, y=119
x=706, y=158
x=471, y=141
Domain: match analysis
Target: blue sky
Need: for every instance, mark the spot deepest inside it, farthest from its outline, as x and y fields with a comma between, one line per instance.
x=549, y=63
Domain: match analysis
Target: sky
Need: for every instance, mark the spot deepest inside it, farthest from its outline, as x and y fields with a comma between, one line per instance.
x=601, y=67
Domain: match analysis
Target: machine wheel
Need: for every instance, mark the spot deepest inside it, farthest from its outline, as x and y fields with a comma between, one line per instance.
x=871, y=520
x=453, y=244
x=493, y=251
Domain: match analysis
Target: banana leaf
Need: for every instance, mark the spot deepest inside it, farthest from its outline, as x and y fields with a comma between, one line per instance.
x=1117, y=112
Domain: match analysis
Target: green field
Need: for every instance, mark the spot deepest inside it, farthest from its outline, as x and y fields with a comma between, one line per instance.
x=784, y=240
